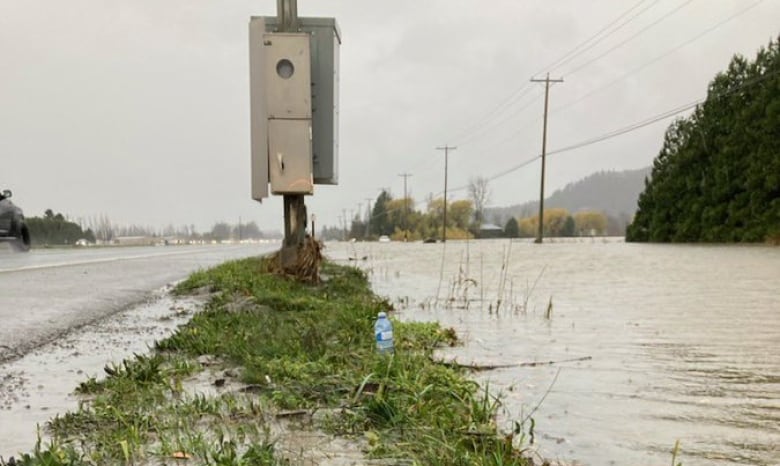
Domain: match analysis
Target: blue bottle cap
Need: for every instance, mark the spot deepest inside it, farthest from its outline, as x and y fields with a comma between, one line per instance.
x=382, y=315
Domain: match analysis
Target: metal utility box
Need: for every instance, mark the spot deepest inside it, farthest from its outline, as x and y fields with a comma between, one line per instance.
x=324, y=40
x=289, y=150
x=325, y=43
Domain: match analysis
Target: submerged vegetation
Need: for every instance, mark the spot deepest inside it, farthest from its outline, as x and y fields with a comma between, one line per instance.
x=289, y=348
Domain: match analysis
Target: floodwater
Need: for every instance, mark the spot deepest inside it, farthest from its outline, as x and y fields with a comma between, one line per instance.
x=649, y=344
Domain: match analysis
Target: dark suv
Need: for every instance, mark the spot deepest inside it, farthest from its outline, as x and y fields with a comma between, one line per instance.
x=12, y=226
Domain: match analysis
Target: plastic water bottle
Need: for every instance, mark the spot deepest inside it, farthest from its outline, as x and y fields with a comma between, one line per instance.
x=383, y=330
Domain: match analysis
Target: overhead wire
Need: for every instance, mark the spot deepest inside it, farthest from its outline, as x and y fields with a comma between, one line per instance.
x=482, y=126
x=643, y=66
x=482, y=121
x=628, y=39
x=659, y=57
x=630, y=128
x=662, y=116
x=467, y=134
x=579, y=50
x=617, y=132
x=646, y=64
x=527, y=104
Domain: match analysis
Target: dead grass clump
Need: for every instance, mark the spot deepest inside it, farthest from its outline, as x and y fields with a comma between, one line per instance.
x=306, y=266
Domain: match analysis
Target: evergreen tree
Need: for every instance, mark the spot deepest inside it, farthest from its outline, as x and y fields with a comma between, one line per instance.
x=55, y=229
x=717, y=176
x=569, y=227
x=512, y=229
x=380, y=221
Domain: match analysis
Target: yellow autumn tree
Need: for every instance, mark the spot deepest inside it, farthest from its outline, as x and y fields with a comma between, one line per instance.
x=590, y=222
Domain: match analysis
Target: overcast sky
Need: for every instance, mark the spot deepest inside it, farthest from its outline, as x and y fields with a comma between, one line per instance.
x=139, y=109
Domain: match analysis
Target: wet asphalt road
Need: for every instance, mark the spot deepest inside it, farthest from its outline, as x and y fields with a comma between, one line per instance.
x=45, y=293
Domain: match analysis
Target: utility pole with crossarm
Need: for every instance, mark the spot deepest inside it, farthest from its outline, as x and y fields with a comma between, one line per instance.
x=546, y=82
x=446, y=150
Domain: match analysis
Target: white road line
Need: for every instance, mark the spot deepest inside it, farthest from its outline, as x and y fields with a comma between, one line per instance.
x=98, y=261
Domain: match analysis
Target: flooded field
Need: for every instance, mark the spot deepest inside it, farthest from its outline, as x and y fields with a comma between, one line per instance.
x=617, y=351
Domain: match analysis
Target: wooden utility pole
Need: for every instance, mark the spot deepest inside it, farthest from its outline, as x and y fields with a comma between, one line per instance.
x=546, y=82
x=406, y=200
x=368, y=216
x=294, y=204
x=446, y=150
x=344, y=217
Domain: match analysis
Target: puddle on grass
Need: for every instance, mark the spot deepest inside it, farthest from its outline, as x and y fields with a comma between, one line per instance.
x=39, y=385
x=296, y=436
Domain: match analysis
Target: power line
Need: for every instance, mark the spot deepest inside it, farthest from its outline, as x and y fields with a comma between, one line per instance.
x=642, y=66
x=659, y=117
x=579, y=50
x=629, y=39
x=518, y=93
x=515, y=96
x=659, y=57
x=646, y=64
x=485, y=129
x=639, y=68
x=632, y=127
x=573, y=54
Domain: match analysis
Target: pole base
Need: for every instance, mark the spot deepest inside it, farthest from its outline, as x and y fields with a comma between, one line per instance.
x=300, y=262
x=288, y=258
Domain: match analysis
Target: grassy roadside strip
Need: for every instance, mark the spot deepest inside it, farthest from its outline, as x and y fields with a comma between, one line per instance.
x=297, y=347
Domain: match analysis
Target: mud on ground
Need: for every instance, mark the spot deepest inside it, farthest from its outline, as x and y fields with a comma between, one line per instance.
x=37, y=386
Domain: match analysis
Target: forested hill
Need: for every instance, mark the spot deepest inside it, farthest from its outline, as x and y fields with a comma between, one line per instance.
x=717, y=176
x=613, y=192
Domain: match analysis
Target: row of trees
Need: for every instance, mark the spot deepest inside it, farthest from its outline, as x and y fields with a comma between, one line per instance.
x=56, y=229
x=399, y=219
x=559, y=222
x=223, y=231
x=717, y=176
x=220, y=231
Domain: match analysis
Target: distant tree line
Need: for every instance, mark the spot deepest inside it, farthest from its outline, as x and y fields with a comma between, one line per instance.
x=56, y=229
x=560, y=223
x=220, y=231
x=400, y=219
x=717, y=176
x=614, y=193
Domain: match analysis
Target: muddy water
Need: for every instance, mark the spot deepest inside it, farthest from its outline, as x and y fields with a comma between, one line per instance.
x=39, y=385
x=663, y=342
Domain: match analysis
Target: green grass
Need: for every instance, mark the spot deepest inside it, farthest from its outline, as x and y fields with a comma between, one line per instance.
x=301, y=347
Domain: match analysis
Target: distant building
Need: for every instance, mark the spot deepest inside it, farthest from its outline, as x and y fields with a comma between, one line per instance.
x=489, y=230
x=134, y=241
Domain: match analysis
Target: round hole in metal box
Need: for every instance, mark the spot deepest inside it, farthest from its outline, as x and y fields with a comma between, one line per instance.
x=285, y=68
